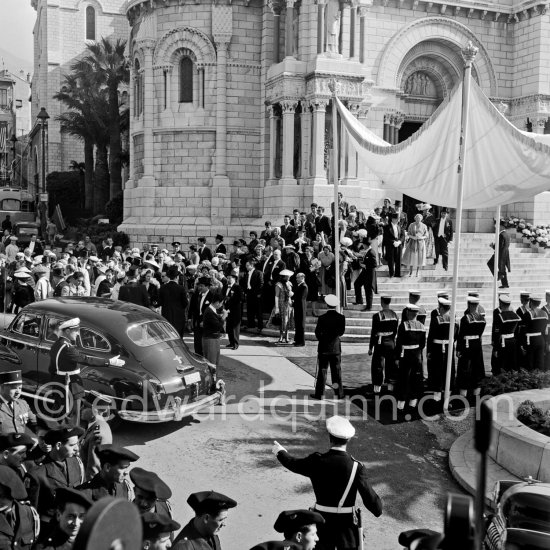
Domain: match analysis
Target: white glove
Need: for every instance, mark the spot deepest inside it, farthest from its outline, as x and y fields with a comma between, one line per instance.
x=277, y=448
x=117, y=361
x=396, y=243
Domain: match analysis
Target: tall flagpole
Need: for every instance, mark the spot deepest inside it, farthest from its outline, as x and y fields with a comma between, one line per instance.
x=336, y=213
x=495, y=266
x=468, y=55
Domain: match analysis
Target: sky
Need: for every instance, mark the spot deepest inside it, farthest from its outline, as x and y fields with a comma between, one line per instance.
x=17, y=19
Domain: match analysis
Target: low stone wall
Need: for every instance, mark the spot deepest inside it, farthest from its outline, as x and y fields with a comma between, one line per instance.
x=514, y=446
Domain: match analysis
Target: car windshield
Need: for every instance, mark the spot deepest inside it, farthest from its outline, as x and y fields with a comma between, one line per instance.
x=25, y=230
x=151, y=333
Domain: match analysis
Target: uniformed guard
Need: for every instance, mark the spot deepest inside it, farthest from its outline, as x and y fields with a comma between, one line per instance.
x=112, y=479
x=471, y=368
x=411, y=341
x=522, y=312
x=71, y=507
x=438, y=349
x=65, y=360
x=19, y=523
x=151, y=494
x=201, y=533
x=15, y=414
x=382, y=345
x=480, y=308
x=536, y=324
x=546, y=308
x=505, y=324
x=60, y=468
x=414, y=298
x=336, y=478
x=300, y=527
x=435, y=311
x=13, y=452
x=158, y=531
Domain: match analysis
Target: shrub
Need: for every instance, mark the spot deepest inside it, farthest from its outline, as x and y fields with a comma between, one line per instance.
x=114, y=209
x=99, y=232
x=515, y=381
x=66, y=189
x=534, y=417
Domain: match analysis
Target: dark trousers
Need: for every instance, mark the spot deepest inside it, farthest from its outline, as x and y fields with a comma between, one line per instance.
x=364, y=281
x=197, y=340
x=299, y=326
x=393, y=257
x=442, y=249
x=410, y=383
x=335, y=374
x=254, y=310
x=535, y=353
x=504, y=358
x=233, y=328
x=503, y=278
x=437, y=367
x=471, y=367
x=383, y=362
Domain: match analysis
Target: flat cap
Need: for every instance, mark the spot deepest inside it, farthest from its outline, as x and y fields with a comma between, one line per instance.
x=414, y=292
x=331, y=300
x=176, y=243
x=150, y=482
x=412, y=307
x=443, y=294
x=535, y=299
x=63, y=495
x=11, y=377
x=7, y=441
x=277, y=545
x=12, y=483
x=156, y=524
x=444, y=301
x=524, y=294
x=340, y=427
x=206, y=502
x=62, y=434
x=473, y=300
x=504, y=298
x=291, y=521
x=385, y=297
x=113, y=453
x=70, y=323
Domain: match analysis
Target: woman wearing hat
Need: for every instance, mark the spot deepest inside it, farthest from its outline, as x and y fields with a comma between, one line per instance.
x=328, y=279
x=283, y=303
x=311, y=266
x=415, y=251
x=152, y=287
x=429, y=221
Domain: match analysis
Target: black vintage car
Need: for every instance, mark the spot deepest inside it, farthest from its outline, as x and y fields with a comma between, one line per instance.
x=160, y=381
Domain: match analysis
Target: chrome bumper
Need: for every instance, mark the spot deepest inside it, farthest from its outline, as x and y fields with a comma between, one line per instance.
x=179, y=411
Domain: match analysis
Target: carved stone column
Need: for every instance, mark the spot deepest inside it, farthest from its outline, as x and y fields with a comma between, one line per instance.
x=289, y=109
x=319, y=107
x=398, y=122
x=321, y=26
x=362, y=33
x=222, y=43
x=132, y=114
x=275, y=10
x=351, y=175
x=148, y=114
x=539, y=124
x=305, y=125
x=353, y=36
x=386, y=136
x=272, y=140
x=289, y=34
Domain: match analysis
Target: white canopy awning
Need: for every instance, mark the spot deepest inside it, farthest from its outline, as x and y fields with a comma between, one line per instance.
x=503, y=164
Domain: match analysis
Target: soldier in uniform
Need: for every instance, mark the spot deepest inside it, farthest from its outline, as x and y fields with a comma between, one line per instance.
x=300, y=527
x=505, y=323
x=414, y=298
x=15, y=413
x=201, y=533
x=158, y=531
x=13, y=451
x=480, y=308
x=112, y=478
x=536, y=324
x=471, y=368
x=438, y=349
x=71, y=507
x=19, y=523
x=522, y=312
x=411, y=341
x=151, y=494
x=60, y=468
x=336, y=478
x=435, y=311
x=382, y=345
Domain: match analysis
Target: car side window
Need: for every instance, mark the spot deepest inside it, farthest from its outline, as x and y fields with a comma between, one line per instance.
x=90, y=339
x=28, y=324
x=51, y=325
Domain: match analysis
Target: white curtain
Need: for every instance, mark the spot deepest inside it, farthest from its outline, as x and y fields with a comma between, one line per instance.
x=503, y=164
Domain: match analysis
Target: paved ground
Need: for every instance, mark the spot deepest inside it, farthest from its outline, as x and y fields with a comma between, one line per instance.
x=229, y=451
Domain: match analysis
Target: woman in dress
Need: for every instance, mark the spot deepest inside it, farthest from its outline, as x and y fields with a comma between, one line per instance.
x=415, y=251
x=194, y=258
x=328, y=279
x=429, y=222
x=346, y=258
x=283, y=303
x=152, y=287
x=310, y=267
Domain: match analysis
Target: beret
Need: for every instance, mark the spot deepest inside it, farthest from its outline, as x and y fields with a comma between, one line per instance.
x=156, y=524
x=340, y=427
x=292, y=520
x=62, y=434
x=114, y=453
x=66, y=494
x=205, y=502
x=150, y=482
x=7, y=441
x=11, y=481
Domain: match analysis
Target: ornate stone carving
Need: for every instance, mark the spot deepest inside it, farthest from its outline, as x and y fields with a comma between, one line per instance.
x=469, y=53
x=419, y=84
x=288, y=107
x=185, y=37
x=318, y=104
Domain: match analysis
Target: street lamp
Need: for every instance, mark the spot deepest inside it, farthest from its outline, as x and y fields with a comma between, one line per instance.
x=43, y=117
x=13, y=140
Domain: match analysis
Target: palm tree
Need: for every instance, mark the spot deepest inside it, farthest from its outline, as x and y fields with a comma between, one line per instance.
x=106, y=63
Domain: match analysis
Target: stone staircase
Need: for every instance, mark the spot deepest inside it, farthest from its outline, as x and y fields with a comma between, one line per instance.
x=530, y=271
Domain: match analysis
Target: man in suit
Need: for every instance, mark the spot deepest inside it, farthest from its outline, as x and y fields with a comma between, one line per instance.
x=403, y=219
x=204, y=252
x=133, y=291
x=199, y=302
x=322, y=222
x=271, y=271
x=366, y=279
x=253, y=283
x=312, y=216
x=232, y=302
x=336, y=478
x=443, y=235
x=220, y=247
x=392, y=240
x=330, y=327
x=300, y=307
x=288, y=231
x=173, y=300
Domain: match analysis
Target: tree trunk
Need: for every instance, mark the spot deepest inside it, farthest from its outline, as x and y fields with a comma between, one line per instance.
x=114, y=144
x=101, y=191
x=88, y=174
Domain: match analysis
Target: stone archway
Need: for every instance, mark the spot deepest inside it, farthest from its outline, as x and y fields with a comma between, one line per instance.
x=184, y=38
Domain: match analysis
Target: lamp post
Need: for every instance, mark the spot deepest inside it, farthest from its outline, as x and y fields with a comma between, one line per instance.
x=13, y=140
x=43, y=120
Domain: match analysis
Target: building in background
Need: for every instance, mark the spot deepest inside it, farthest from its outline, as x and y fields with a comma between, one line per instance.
x=231, y=110
x=7, y=125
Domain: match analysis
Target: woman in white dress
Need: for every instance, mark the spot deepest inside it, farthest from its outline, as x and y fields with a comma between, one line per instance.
x=415, y=251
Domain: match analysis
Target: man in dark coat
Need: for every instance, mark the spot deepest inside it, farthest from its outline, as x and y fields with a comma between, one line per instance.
x=253, y=283
x=443, y=235
x=503, y=256
x=392, y=241
x=200, y=300
x=173, y=300
x=503, y=337
x=232, y=302
x=330, y=327
x=300, y=307
x=322, y=223
x=336, y=478
x=366, y=279
x=133, y=291
x=204, y=252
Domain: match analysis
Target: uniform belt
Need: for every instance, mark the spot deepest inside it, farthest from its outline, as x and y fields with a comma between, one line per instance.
x=442, y=342
x=334, y=509
x=470, y=337
x=530, y=335
x=382, y=334
x=412, y=346
x=504, y=337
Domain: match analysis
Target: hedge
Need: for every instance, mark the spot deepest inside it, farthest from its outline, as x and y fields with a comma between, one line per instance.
x=534, y=417
x=515, y=381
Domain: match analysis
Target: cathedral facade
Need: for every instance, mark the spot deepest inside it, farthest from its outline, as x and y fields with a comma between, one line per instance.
x=231, y=117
